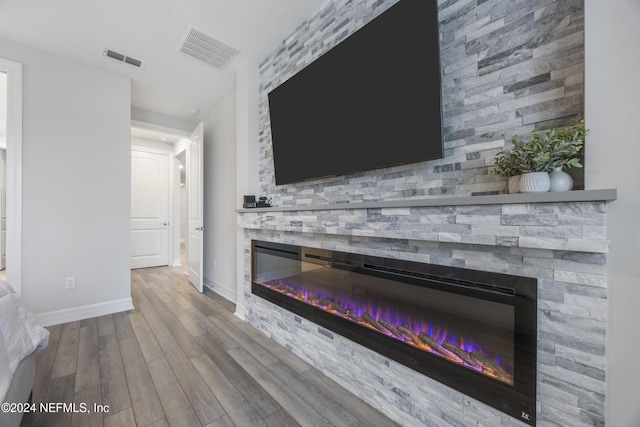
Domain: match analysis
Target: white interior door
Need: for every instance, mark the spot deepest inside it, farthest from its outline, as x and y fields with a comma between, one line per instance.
x=195, y=211
x=149, y=208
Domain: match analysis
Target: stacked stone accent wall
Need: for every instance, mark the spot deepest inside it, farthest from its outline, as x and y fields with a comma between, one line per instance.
x=508, y=67
x=563, y=245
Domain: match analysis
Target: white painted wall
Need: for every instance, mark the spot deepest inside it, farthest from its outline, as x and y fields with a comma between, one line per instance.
x=220, y=198
x=162, y=120
x=247, y=77
x=612, y=155
x=76, y=184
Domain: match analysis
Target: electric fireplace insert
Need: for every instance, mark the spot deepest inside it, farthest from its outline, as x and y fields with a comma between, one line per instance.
x=474, y=331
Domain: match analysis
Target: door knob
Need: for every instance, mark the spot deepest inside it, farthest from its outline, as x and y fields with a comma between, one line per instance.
x=165, y=223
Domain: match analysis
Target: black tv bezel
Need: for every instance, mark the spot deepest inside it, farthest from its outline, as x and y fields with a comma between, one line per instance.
x=435, y=148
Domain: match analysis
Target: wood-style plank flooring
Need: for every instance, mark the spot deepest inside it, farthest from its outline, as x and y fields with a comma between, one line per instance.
x=181, y=358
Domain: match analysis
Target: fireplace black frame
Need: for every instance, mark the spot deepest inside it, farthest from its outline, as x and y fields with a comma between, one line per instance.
x=517, y=400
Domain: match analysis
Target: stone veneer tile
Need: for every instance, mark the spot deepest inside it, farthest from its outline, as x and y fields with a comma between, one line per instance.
x=555, y=394
x=595, y=233
x=572, y=378
x=589, y=331
x=584, y=258
x=593, y=208
x=479, y=240
x=507, y=241
x=592, y=245
x=564, y=232
x=515, y=209
x=495, y=230
x=488, y=415
x=566, y=265
x=572, y=306
x=600, y=246
x=529, y=219
x=586, y=359
x=560, y=414
x=549, y=292
x=586, y=219
x=596, y=310
x=478, y=219
x=591, y=291
x=598, y=280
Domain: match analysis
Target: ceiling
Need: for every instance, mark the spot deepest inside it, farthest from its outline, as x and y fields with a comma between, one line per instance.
x=170, y=83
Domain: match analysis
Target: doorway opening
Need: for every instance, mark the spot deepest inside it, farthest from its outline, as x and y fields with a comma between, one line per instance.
x=3, y=158
x=12, y=115
x=166, y=198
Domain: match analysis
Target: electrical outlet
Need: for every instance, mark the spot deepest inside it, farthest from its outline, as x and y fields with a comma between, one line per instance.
x=70, y=283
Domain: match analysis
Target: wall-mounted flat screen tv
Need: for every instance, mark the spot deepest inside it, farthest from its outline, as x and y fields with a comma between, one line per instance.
x=372, y=101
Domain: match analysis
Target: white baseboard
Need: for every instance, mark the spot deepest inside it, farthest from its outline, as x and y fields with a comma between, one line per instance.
x=224, y=292
x=84, y=312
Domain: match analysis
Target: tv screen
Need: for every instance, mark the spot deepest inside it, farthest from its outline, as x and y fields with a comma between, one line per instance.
x=372, y=101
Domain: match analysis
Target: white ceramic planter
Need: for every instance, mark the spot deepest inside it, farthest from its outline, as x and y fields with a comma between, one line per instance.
x=535, y=182
x=560, y=180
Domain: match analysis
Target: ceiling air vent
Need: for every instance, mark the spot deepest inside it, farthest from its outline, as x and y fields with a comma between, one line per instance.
x=123, y=58
x=203, y=47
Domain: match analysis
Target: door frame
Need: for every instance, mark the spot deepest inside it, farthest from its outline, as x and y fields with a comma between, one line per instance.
x=174, y=235
x=174, y=195
x=14, y=173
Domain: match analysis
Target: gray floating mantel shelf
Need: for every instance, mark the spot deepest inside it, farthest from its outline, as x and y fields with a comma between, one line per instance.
x=604, y=195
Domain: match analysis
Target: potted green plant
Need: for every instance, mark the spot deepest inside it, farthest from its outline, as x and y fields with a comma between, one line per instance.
x=507, y=165
x=549, y=152
x=525, y=158
x=566, y=145
x=565, y=150
x=540, y=161
x=534, y=158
